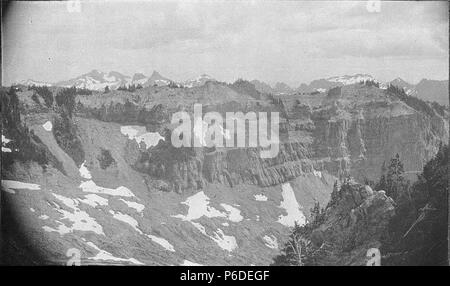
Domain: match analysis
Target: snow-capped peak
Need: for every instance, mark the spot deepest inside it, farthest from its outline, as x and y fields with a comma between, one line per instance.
x=97, y=80
x=350, y=79
x=198, y=81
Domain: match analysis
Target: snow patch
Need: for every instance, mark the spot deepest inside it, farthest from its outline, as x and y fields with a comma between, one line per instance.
x=234, y=214
x=261, y=198
x=104, y=255
x=80, y=219
x=161, y=241
x=137, y=206
x=135, y=225
x=94, y=200
x=5, y=140
x=48, y=126
x=126, y=219
x=290, y=204
x=91, y=187
x=317, y=173
x=189, y=263
x=84, y=172
x=199, y=206
x=140, y=134
x=226, y=242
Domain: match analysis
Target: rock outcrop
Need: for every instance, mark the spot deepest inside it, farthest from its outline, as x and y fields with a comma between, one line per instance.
x=354, y=222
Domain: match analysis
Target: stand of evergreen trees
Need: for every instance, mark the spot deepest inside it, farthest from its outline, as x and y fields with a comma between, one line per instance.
x=44, y=92
x=130, y=88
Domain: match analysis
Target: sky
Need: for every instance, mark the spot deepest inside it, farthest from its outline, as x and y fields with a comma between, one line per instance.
x=283, y=41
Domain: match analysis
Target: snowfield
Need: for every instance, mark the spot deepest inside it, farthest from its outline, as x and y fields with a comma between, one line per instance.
x=140, y=134
x=292, y=208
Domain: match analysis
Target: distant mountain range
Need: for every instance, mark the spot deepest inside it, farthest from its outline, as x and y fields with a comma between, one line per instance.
x=426, y=89
x=431, y=90
x=320, y=85
x=98, y=80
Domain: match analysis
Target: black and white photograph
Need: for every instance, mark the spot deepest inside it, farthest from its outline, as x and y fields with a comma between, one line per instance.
x=224, y=133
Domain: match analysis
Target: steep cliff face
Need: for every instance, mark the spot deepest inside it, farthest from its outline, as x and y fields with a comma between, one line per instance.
x=357, y=128
x=188, y=169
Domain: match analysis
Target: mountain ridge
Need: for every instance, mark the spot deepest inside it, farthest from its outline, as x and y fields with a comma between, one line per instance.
x=426, y=89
